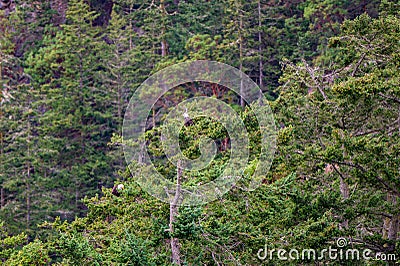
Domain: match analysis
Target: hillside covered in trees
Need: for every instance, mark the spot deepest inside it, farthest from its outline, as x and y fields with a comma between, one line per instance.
x=330, y=70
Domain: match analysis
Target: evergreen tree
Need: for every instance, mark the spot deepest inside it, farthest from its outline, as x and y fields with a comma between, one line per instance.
x=76, y=115
x=352, y=144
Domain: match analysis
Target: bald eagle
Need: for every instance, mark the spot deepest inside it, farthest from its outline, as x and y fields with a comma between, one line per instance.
x=117, y=189
x=188, y=120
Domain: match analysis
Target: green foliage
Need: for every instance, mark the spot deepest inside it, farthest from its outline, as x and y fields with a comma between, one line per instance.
x=76, y=250
x=187, y=224
x=339, y=115
x=330, y=68
x=9, y=245
x=33, y=253
x=130, y=251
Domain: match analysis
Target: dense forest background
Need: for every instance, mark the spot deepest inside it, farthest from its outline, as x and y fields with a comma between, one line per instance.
x=330, y=69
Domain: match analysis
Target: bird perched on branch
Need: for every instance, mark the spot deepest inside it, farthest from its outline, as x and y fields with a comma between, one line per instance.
x=117, y=189
x=188, y=120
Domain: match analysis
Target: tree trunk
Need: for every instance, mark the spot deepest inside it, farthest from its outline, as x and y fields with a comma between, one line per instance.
x=2, y=201
x=242, y=103
x=391, y=224
x=119, y=100
x=173, y=212
x=164, y=48
x=344, y=187
x=28, y=200
x=260, y=63
x=2, y=198
x=164, y=44
x=28, y=180
x=344, y=190
x=393, y=227
x=130, y=26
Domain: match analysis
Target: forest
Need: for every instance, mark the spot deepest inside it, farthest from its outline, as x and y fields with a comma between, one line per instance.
x=329, y=71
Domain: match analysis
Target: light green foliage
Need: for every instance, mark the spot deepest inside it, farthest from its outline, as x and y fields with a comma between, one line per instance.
x=9, y=245
x=33, y=253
